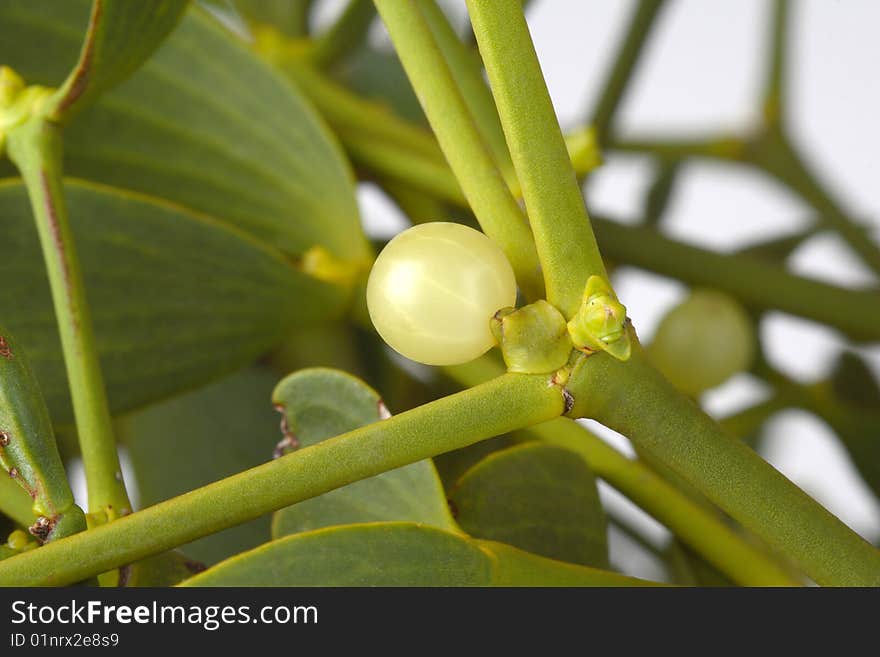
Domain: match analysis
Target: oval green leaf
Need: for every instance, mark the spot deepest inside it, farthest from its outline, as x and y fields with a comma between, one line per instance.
x=28, y=451
x=320, y=403
x=539, y=498
x=204, y=123
x=396, y=554
x=177, y=299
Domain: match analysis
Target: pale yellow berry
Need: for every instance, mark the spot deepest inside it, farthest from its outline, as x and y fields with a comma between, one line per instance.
x=434, y=289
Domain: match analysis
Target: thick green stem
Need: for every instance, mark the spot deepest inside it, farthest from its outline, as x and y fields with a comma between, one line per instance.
x=467, y=70
x=635, y=400
x=566, y=246
x=498, y=406
x=694, y=524
x=624, y=64
x=759, y=284
x=346, y=34
x=35, y=148
x=460, y=139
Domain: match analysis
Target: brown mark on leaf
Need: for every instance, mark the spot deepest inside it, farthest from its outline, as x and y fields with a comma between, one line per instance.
x=42, y=528
x=383, y=411
x=289, y=442
x=5, y=438
x=13, y=472
x=5, y=349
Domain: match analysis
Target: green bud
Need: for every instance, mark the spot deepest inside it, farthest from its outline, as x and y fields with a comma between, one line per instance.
x=583, y=149
x=600, y=323
x=18, y=102
x=533, y=339
x=320, y=263
x=18, y=540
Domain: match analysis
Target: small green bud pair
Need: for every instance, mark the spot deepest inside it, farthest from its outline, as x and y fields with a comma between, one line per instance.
x=600, y=322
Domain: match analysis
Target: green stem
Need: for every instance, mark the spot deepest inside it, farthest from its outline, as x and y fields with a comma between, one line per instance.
x=460, y=139
x=635, y=400
x=628, y=54
x=694, y=524
x=657, y=198
x=347, y=33
x=35, y=147
x=774, y=90
x=566, y=246
x=498, y=406
x=713, y=147
x=759, y=284
x=467, y=70
x=779, y=248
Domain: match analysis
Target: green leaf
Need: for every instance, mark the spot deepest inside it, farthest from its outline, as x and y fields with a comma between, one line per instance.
x=396, y=554
x=201, y=437
x=452, y=465
x=205, y=124
x=321, y=403
x=177, y=299
x=539, y=498
x=27, y=441
x=120, y=37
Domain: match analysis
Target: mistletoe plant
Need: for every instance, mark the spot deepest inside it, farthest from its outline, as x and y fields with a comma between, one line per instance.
x=196, y=222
